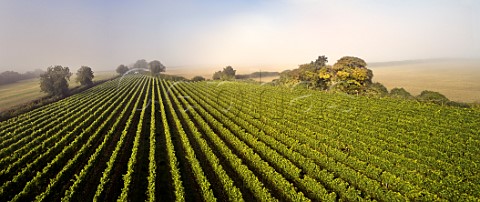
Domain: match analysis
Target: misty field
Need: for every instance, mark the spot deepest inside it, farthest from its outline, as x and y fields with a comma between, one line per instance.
x=456, y=79
x=143, y=138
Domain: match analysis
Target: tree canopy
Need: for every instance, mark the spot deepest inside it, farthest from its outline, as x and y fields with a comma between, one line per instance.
x=156, y=67
x=347, y=62
x=217, y=75
x=140, y=64
x=349, y=74
x=228, y=73
x=85, y=76
x=55, y=80
x=8, y=77
x=122, y=69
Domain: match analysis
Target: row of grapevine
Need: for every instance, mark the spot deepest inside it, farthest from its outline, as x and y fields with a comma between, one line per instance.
x=276, y=180
x=107, y=173
x=197, y=170
x=312, y=131
x=347, y=138
x=311, y=169
x=44, y=137
x=354, y=142
x=132, y=162
x=247, y=176
x=28, y=131
x=144, y=138
x=73, y=190
x=64, y=160
x=39, y=156
x=281, y=164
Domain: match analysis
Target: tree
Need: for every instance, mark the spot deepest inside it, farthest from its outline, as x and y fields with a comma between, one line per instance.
x=400, y=93
x=9, y=77
x=54, y=81
x=351, y=75
x=228, y=73
x=156, y=67
x=140, y=64
x=122, y=69
x=321, y=61
x=315, y=74
x=349, y=62
x=85, y=76
x=217, y=75
x=198, y=78
x=310, y=73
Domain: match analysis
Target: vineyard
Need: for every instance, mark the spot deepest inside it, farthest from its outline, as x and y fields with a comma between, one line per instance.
x=139, y=138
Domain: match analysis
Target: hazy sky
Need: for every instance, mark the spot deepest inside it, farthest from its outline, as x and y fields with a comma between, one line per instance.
x=241, y=33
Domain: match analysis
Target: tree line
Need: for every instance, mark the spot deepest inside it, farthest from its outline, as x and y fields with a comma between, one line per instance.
x=348, y=75
x=8, y=77
x=155, y=67
x=55, y=80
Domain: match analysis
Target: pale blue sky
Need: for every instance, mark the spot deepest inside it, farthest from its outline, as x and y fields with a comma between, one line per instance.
x=244, y=34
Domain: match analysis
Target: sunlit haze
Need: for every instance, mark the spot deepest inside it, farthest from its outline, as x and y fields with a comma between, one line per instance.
x=245, y=34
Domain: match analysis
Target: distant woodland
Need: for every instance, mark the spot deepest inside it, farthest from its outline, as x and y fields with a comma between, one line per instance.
x=8, y=77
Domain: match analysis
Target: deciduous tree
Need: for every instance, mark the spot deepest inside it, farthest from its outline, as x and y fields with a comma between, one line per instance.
x=156, y=67
x=55, y=80
x=122, y=69
x=217, y=75
x=85, y=76
x=351, y=74
x=228, y=73
x=140, y=64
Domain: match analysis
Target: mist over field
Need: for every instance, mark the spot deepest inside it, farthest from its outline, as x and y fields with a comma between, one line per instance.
x=455, y=78
x=244, y=34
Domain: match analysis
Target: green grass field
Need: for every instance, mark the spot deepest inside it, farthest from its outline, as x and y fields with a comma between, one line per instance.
x=143, y=138
x=28, y=90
